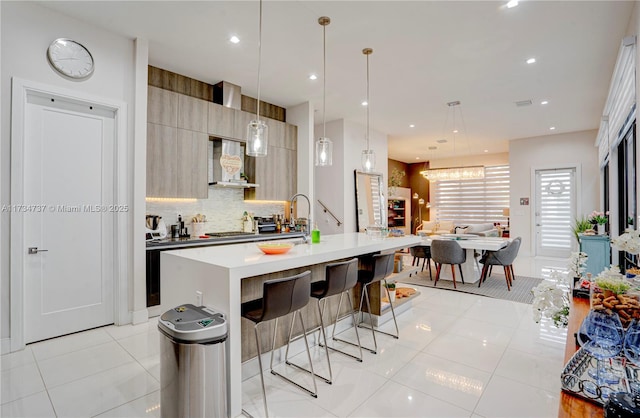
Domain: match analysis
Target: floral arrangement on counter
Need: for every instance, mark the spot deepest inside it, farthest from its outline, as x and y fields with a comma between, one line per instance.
x=551, y=300
x=629, y=241
x=578, y=263
x=599, y=218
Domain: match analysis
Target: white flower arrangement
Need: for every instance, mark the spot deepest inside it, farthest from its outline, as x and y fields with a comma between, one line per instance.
x=551, y=300
x=629, y=241
x=577, y=264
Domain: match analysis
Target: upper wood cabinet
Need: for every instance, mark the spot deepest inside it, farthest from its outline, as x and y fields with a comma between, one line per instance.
x=162, y=164
x=178, y=131
x=221, y=121
x=191, y=169
x=176, y=162
x=192, y=113
x=162, y=107
x=276, y=174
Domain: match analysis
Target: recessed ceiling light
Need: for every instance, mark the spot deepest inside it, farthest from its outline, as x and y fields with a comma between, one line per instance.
x=512, y=3
x=486, y=150
x=553, y=128
x=531, y=60
x=441, y=141
x=234, y=39
x=544, y=102
x=417, y=158
x=412, y=126
x=455, y=131
x=313, y=77
x=364, y=103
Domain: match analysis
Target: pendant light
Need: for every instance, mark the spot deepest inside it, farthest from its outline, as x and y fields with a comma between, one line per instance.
x=324, y=146
x=368, y=156
x=455, y=173
x=257, y=130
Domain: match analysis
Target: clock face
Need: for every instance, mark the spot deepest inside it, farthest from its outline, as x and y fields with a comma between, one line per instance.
x=70, y=58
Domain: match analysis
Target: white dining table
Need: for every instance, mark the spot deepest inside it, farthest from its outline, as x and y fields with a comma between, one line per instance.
x=473, y=244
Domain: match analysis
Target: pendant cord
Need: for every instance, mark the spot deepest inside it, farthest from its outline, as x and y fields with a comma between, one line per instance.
x=324, y=80
x=368, y=103
x=259, y=62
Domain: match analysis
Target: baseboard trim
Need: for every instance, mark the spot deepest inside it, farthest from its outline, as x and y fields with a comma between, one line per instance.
x=5, y=346
x=138, y=317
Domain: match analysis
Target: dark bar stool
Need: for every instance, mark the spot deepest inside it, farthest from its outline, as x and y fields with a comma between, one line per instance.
x=424, y=252
x=382, y=267
x=340, y=278
x=279, y=298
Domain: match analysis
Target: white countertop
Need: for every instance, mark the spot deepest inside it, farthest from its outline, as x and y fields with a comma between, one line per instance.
x=247, y=259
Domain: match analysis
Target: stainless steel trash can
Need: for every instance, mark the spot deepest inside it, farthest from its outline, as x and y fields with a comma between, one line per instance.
x=193, y=378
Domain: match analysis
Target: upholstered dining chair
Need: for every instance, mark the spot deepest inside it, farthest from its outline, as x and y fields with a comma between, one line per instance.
x=503, y=257
x=447, y=252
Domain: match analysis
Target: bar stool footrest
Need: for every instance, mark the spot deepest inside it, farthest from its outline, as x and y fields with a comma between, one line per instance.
x=315, y=395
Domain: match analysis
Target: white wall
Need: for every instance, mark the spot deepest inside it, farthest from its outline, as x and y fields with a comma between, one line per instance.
x=335, y=185
x=329, y=180
x=554, y=151
x=302, y=116
x=467, y=160
x=27, y=30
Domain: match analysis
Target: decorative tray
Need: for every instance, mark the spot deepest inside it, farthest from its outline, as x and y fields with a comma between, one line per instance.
x=577, y=380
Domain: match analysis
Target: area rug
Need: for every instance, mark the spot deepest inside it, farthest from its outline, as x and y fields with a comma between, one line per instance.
x=494, y=287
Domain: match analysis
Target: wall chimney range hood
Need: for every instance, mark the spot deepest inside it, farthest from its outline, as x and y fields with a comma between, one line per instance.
x=227, y=94
x=226, y=161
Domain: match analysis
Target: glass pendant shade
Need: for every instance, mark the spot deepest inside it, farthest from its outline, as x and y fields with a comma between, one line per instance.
x=324, y=152
x=368, y=160
x=257, y=138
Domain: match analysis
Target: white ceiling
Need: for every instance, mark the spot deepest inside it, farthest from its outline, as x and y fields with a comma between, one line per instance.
x=426, y=53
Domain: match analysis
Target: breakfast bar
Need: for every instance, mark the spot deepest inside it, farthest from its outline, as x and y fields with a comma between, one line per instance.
x=217, y=272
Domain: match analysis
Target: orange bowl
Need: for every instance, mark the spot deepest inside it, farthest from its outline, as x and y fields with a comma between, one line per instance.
x=275, y=247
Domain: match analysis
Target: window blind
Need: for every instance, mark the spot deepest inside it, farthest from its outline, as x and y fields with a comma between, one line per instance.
x=620, y=101
x=473, y=201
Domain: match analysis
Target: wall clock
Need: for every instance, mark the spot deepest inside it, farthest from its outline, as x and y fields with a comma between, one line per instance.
x=70, y=58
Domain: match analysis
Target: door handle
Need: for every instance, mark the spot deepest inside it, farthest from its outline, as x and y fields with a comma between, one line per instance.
x=34, y=250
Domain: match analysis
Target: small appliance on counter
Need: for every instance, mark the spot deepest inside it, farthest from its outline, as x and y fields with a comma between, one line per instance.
x=155, y=228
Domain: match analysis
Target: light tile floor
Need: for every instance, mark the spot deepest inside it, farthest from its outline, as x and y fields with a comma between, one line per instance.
x=458, y=355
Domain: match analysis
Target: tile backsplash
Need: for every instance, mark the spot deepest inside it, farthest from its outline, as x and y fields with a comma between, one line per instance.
x=223, y=209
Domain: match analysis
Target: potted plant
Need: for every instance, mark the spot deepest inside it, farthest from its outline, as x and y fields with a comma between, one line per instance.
x=391, y=288
x=600, y=220
x=580, y=226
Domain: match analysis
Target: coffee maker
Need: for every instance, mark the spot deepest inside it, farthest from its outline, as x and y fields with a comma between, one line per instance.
x=155, y=228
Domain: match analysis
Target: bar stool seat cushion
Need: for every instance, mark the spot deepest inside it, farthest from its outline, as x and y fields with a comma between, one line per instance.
x=280, y=297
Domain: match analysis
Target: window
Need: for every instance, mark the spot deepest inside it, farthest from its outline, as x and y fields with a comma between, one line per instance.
x=473, y=201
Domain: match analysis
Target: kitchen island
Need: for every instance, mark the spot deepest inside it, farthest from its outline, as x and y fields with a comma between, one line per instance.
x=218, y=273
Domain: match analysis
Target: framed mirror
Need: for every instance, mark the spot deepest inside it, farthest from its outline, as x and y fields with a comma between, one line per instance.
x=370, y=200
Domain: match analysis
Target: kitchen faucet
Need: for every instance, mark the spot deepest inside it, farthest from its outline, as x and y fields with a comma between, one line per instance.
x=292, y=223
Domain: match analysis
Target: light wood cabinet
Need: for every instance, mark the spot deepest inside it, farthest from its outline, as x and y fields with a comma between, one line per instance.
x=191, y=170
x=176, y=162
x=276, y=174
x=162, y=107
x=161, y=160
x=221, y=121
x=192, y=113
x=178, y=131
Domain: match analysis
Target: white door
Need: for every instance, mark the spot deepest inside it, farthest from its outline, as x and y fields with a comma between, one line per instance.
x=68, y=231
x=555, y=211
